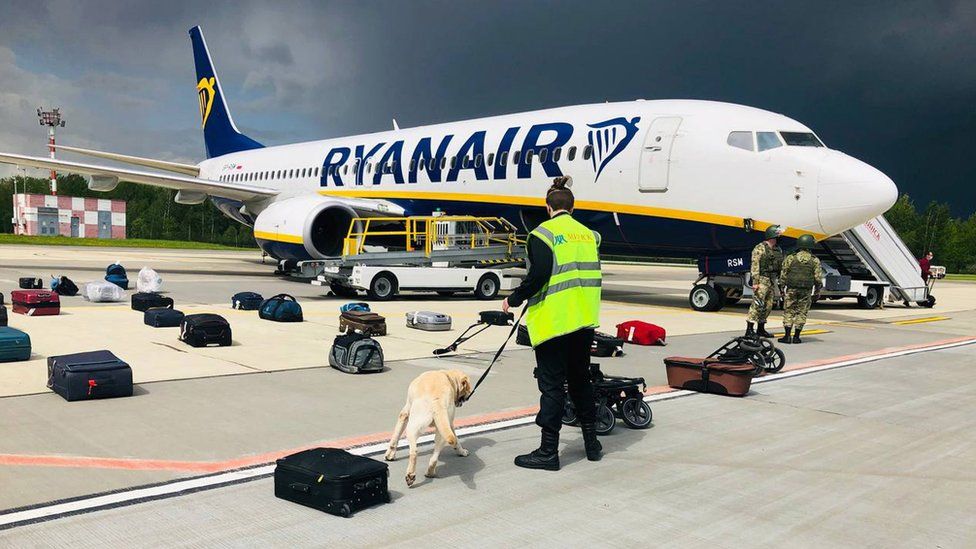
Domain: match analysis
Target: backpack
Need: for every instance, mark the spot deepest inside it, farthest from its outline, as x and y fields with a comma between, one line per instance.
x=115, y=273
x=64, y=286
x=281, y=308
x=641, y=333
x=356, y=306
x=355, y=353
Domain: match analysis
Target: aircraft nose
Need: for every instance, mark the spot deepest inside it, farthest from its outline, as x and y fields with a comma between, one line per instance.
x=851, y=192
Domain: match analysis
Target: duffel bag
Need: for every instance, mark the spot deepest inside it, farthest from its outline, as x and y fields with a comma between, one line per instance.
x=641, y=333
x=496, y=318
x=3, y=315
x=281, y=308
x=356, y=306
x=355, y=353
x=605, y=345
x=163, y=317
x=30, y=283
x=144, y=301
x=246, y=301
x=64, y=286
x=331, y=480
x=204, y=329
x=367, y=323
x=86, y=376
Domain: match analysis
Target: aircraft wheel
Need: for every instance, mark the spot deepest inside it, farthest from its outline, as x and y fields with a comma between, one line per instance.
x=705, y=298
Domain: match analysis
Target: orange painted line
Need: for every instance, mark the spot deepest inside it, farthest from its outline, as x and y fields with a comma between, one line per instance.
x=135, y=464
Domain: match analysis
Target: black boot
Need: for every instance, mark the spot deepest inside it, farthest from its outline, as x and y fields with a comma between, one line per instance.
x=761, y=332
x=786, y=337
x=545, y=457
x=594, y=450
x=796, y=334
x=750, y=331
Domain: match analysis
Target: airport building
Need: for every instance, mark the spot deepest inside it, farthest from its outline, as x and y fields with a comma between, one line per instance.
x=44, y=215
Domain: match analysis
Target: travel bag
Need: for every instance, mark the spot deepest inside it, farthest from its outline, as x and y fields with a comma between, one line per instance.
x=102, y=291
x=3, y=315
x=281, y=308
x=116, y=274
x=355, y=353
x=35, y=302
x=364, y=322
x=709, y=375
x=641, y=333
x=605, y=345
x=163, y=317
x=86, y=376
x=355, y=306
x=148, y=281
x=522, y=336
x=246, y=301
x=14, y=345
x=64, y=286
x=331, y=480
x=30, y=283
x=202, y=330
x=143, y=301
x=429, y=321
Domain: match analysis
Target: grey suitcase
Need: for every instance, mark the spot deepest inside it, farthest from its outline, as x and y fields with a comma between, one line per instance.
x=429, y=321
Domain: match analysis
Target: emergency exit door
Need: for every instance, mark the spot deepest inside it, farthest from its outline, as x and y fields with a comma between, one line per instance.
x=655, y=164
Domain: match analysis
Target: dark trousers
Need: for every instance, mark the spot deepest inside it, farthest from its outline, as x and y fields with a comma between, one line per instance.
x=560, y=360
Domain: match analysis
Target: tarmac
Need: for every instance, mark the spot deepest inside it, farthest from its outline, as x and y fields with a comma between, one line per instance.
x=862, y=440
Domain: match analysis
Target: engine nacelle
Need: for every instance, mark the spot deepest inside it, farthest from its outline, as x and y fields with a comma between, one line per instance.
x=304, y=227
x=102, y=183
x=190, y=198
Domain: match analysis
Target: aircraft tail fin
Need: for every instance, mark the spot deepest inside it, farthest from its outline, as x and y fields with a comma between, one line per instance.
x=220, y=134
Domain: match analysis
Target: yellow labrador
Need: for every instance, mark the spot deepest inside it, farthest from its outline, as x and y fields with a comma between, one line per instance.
x=431, y=401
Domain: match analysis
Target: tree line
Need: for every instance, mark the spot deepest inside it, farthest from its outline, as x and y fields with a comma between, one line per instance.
x=952, y=240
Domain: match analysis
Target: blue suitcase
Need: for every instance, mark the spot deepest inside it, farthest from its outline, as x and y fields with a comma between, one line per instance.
x=87, y=376
x=162, y=317
x=246, y=301
x=14, y=345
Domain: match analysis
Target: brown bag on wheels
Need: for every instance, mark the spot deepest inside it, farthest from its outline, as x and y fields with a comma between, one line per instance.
x=364, y=322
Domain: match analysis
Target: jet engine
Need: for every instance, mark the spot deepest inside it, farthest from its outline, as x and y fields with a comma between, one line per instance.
x=304, y=227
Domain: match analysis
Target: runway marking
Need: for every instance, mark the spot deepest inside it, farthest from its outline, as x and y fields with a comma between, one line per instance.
x=256, y=467
x=919, y=320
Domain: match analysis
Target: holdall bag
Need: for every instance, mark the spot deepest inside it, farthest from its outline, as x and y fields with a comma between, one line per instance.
x=522, y=336
x=281, y=308
x=331, y=480
x=148, y=281
x=64, y=286
x=35, y=302
x=103, y=291
x=162, y=317
x=30, y=283
x=606, y=345
x=356, y=354
x=707, y=375
x=641, y=333
x=115, y=273
x=143, y=301
x=364, y=322
x=496, y=318
x=14, y=345
x=246, y=301
x=91, y=375
x=429, y=321
x=356, y=306
x=204, y=329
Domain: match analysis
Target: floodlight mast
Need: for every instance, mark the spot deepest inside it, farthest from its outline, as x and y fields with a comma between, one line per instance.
x=52, y=119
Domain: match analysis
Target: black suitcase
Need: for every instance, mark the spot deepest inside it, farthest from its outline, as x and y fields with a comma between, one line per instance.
x=143, y=301
x=201, y=330
x=86, y=376
x=3, y=316
x=30, y=283
x=162, y=317
x=331, y=480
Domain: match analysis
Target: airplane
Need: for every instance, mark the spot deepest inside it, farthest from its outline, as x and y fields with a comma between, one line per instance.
x=672, y=178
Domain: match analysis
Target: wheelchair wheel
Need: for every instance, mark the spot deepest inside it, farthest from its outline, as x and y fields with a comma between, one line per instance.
x=605, y=421
x=569, y=413
x=636, y=413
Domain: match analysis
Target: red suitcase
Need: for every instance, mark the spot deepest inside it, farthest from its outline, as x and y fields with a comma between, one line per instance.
x=641, y=333
x=708, y=375
x=35, y=302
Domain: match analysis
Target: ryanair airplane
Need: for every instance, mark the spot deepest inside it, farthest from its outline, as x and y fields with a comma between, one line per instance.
x=675, y=178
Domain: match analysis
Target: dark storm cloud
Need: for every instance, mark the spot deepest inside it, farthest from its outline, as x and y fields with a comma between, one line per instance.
x=892, y=83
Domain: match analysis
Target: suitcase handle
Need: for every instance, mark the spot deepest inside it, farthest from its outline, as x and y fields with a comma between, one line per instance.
x=299, y=487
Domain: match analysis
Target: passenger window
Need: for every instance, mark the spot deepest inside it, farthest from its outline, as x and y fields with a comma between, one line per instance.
x=528, y=156
x=571, y=153
x=477, y=161
x=503, y=158
x=741, y=140
x=515, y=156
x=369, y=167
x=491, y=158
x=432, y=164
x=587, y=151
x=413, y=164
x=556, y=154
x=464, y=162
x=453, y=161
x=345, y=169
x=443, y=162
x=543, y=154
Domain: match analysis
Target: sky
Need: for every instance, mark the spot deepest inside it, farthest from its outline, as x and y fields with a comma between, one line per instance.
x=891, y=83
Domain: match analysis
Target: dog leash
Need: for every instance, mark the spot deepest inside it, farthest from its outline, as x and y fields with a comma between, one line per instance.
x=498, y=353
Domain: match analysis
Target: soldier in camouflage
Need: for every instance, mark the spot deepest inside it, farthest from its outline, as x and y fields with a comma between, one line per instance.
x=767, y=259
x=802, y=276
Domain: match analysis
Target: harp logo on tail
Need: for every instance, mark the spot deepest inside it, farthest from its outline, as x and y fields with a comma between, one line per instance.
x=205, y=91
x=609, y=138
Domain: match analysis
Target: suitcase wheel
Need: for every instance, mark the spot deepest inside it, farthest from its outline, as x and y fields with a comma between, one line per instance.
x=345, y=510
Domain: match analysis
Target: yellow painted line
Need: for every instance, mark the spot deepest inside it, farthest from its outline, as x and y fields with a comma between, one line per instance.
x=920, y=320
x=805, y=333
x=650, y=211
x=278, y=237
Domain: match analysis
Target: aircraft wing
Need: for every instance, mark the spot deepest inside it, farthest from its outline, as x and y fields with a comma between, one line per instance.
x=178, y=167
x=234, y=191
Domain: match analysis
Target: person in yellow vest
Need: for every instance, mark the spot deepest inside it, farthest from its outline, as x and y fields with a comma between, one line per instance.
x=562, y=289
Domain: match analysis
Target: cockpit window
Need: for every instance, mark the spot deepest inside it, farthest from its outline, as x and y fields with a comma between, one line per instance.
x=801, y=139
x=767, y=140
x=741, y=140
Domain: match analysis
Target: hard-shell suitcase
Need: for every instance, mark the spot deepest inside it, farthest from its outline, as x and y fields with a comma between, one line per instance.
x=163, y=317
x=355, y=353
x=143, y=301
x=201, y=330
x=3, y=315
x=281, y=308
x=709, y=375
x=30, y=283
x=605, y=345
x=246, y=301
x=364, y=322
x=35, y=302
x=429, y=321
x=14, y=345
x=331, y=480
x=85, y=376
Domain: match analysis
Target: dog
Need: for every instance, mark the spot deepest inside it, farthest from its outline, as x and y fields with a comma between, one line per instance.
x=431, y=400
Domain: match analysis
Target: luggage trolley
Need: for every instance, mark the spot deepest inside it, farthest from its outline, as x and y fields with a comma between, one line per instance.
x=616, y=396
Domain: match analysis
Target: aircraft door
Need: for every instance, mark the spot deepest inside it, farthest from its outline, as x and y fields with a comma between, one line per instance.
x=655, y=159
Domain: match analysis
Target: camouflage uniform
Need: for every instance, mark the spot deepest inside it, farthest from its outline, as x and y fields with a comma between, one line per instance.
x=765, y=269
x=801, y=275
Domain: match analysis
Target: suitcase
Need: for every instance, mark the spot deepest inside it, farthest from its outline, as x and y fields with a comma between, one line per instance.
x=708, y=375
x=91, y=375
x=35, y=302
x=201, y=330
x=64, y=286
x=364, y=322
x=429, y=321
x=281, y=308
x=163, y=317
x=143, y=301
x=14, y=345
x=605, y=345
x=641, y=333
x=116, y=274
x=3, y=315
x=30, y=283
x=246, y=301
x=355, y=353
x=331, y=480
x=356, y=306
